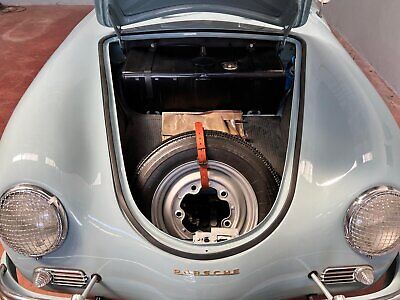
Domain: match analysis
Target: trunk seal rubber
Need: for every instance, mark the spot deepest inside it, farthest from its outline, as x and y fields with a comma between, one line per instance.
x=117, y=183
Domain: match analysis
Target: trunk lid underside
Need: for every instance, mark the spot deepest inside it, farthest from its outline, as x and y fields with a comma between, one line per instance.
x=283, y=13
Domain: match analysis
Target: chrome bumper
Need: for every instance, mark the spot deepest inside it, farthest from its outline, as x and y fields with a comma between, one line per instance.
x=11, y=290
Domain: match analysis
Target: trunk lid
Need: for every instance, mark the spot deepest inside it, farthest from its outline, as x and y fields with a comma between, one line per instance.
x=283, y=13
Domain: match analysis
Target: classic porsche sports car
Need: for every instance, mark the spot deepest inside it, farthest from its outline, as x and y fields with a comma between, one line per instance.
x=201, y=150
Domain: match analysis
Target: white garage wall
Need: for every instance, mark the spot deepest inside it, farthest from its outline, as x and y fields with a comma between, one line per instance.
x=372, y=28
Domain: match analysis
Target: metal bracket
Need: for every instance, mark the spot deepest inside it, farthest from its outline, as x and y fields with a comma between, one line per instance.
x=216, y=235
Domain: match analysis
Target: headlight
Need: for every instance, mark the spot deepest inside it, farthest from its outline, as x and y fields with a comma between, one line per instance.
x=32, y=221
x=372, y=224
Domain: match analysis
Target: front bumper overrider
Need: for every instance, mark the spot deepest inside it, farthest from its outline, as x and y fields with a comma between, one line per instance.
x=10, y=289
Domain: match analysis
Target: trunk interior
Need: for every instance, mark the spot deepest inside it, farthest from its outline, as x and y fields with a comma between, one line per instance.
x=153, y=77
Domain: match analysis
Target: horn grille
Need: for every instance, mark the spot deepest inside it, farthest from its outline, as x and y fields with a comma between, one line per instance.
x=67, y=277
x=340, y=275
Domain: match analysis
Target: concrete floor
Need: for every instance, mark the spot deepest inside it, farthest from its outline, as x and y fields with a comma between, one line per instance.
x=28, y=38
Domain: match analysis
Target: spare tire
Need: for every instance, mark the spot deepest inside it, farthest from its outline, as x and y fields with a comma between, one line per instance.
x=230, y=159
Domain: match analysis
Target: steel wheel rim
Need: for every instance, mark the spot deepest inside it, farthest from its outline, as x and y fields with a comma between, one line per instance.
x=223, y=178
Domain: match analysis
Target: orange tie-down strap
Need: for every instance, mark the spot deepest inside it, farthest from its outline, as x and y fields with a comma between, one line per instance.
x=201, y=154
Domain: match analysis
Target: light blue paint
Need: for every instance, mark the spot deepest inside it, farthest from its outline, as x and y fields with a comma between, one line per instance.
x=56, y=138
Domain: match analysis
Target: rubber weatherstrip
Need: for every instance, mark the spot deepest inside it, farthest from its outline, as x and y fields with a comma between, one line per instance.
x=117, y=183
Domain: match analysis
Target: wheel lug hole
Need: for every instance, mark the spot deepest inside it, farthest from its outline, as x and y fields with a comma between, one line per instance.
x=227, y=223
x=193, y=187
x=178, y=214
x=223, y=194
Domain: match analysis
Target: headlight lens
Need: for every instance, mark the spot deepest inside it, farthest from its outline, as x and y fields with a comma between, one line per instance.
x=32, y=221
x=372, y=225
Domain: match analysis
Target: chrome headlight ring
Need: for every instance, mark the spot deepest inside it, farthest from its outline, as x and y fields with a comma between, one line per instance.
x=33, y=221
x=372, y=222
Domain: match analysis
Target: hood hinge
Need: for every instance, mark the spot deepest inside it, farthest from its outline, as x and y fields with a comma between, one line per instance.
x=117, y=29
x=286, y=31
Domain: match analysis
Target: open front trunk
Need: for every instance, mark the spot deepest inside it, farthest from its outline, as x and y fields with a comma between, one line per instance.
x=195, y=77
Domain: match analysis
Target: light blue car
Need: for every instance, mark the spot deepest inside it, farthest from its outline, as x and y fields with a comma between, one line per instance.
x=201, y=150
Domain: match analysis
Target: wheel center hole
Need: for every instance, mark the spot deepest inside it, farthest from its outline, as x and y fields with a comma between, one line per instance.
x=204, y=210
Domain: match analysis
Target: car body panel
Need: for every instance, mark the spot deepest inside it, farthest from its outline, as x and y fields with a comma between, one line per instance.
x=57, y=139
x=277, y=12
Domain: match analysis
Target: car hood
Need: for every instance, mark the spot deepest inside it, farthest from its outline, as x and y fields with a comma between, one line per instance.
x=284, y=13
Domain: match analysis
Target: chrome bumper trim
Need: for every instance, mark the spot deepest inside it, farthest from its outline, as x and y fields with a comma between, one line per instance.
x=11, y=290
x=7, y=294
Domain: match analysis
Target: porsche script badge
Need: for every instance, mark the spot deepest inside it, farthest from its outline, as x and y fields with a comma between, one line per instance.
x=186, y=272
